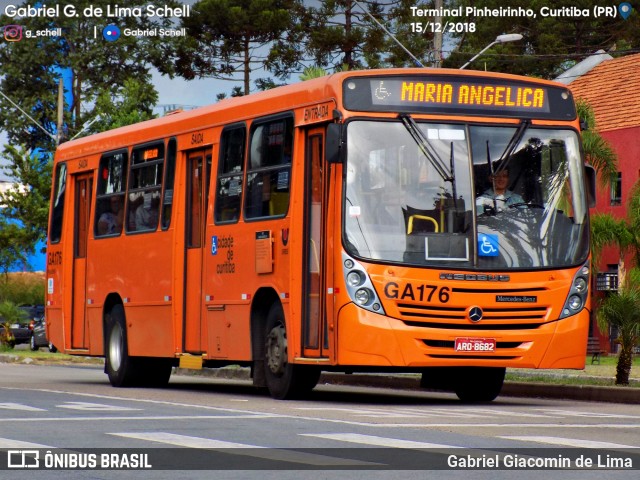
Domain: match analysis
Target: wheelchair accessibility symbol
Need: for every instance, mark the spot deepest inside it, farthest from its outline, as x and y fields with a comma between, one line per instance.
x=487, y=245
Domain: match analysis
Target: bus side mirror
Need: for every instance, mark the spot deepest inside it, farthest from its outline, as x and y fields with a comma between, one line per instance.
x=591, y=185
x=334, y=148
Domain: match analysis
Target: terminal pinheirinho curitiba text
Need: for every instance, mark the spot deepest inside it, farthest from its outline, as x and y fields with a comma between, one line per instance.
x=546, y=11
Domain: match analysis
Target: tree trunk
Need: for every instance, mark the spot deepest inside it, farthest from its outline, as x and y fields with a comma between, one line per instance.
x=623, y=369
x=247, y=67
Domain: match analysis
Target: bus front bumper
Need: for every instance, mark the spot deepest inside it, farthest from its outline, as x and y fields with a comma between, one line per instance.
x=368, y=339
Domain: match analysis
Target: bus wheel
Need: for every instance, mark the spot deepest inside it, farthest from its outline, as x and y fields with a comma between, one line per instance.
x=479, y=384
x=284, y=380
x=119, y=366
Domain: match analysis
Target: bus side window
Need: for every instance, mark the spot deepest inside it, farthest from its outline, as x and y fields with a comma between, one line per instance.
x=167, y=197
x=145, y=186
x=268, y=178
x=229, y=183
x=55, y=230
x=112, y=175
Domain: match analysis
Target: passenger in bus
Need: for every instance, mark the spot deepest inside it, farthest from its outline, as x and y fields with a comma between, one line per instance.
x=499, y=197
x=110, y=222
x=147, y=214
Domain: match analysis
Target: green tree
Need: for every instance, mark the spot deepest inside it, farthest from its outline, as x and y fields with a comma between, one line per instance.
x=551, y=44
x=125, y=104
x=13, y=248
x=342, y=34
x=597, y=150
x=31, y=69
x=412, y=33
x=620, y=311
x=23, y=218
x=231, y=37
x=312, y=72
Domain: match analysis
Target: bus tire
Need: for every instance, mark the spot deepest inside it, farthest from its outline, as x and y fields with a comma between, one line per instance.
x=479, y=384
x=119, y=366
x=284, y=380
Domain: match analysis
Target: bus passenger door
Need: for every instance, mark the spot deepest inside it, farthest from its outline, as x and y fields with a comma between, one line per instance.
x=317, y=302
x=83, y=185
x=198, y=168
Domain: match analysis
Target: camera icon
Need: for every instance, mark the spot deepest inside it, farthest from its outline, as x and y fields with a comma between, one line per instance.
x=13, y=33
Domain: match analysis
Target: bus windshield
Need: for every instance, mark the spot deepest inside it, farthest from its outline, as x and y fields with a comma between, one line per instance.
x=477, y=197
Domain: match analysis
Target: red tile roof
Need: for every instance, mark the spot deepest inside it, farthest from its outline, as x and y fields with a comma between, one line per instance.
x=612, y=88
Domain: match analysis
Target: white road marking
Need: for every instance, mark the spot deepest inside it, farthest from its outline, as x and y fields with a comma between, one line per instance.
x=567, y=442
x=393, y=412
x=11, y=443
x=253, y=414
x=182, y=440
x=572, y=413
x=19, y=406
x=95, y=407
x=246, y=450
x=376, y=441
x=150, y=417
x=136, y=400
x=507, y=413
x=400, y=412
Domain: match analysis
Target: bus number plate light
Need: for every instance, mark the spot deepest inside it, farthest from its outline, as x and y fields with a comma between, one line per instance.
x=465, y=344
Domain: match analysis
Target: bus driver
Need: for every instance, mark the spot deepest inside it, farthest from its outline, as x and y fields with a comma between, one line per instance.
x=499, y=197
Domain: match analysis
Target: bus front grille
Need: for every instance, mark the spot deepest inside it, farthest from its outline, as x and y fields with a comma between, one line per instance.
x=456, y=317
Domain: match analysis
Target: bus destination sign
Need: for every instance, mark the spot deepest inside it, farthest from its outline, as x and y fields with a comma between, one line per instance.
x=459, y=95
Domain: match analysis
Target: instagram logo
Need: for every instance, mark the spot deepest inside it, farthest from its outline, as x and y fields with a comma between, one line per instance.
x=13, y=33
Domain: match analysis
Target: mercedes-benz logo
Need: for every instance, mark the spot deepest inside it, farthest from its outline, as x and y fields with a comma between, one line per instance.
x=475, y=314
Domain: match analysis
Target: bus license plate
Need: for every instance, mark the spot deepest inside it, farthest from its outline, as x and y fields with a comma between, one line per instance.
x=466, y=344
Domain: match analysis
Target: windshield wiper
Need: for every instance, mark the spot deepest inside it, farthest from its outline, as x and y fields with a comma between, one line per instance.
x=505, y=158
x=427, y=150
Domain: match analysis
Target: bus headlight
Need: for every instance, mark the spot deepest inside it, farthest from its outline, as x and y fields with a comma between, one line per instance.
x=575, y=302
x=354, y=279
x=359, y=286
x=580, y=285
x=579, y=293
x=362, y=296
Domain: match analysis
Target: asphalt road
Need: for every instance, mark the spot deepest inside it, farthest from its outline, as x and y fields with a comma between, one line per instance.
x=338, y=432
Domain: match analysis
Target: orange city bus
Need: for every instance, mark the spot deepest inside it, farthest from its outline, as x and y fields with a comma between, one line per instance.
x=348, y=223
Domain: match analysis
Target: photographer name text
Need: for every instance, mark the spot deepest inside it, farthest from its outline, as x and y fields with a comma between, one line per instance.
x=110, y=11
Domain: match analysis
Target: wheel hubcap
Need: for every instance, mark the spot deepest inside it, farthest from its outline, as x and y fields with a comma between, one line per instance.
x=115, y=347
x=277, y=350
